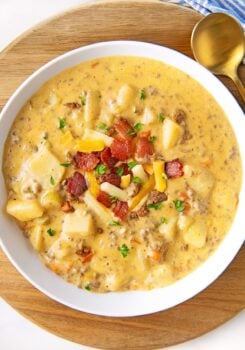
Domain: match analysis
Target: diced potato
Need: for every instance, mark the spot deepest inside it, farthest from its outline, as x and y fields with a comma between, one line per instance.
x=94, y=187
x=51, y=199
x=60, y=249
x=125, y=181
x=184, y=222
x=53, y=98
x=44, y=166
x=88, y=146
x=106, y=117
x=138, y=171
x=160, y=275
x=24, y=210
x=92, y=107
x=126, y=96
x=202, y=181
x=158, y=168
x=66, y=140
x=78, y=223
x=114, y=191
x=168, y=230
x=36, y=238
x=102, y=213
x=113, y=281
x=196, y=233
x=146, y=188
x=96, y=135
x=171, y=133
x=148, y=116
x=148, y=168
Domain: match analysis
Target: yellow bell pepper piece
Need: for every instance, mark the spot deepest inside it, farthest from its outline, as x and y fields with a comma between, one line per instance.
x=67, y=140
x=148, y=168
x=94, y=187
x=125, y=181
x=158, y=169
x=146, y=188
x=90, y=145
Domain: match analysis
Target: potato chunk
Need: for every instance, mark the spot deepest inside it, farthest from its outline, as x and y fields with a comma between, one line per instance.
x=78, y=223
x=171, y=133
x=44, y=167
x=196, y=233
x=168, y=230
x=36, y=237
x=148, y=116
x=114, y=191
x=138, y=171
x=126, y=96
x=202, y=181
x=90, y=134
x=51, y=200
x=92, y=106
x=24, y=210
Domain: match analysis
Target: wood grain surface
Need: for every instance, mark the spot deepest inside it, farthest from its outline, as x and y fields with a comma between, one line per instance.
x=151, y=21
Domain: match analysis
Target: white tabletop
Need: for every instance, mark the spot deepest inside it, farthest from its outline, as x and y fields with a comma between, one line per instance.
x=15, y=331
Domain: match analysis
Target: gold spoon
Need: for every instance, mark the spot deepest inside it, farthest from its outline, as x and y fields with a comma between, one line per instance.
x=218, y=44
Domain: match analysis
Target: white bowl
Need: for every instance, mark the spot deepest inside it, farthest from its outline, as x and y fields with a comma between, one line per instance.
x=132, y=303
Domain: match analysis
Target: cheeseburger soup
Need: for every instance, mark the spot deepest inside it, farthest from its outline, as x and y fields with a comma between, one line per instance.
x=124, y=174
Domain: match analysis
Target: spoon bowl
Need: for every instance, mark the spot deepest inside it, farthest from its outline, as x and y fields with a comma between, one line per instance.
x=218, y=44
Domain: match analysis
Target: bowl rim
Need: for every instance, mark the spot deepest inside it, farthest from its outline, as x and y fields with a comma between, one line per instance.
x=150, y=301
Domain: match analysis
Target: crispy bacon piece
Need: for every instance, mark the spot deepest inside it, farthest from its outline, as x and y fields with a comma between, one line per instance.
x=112, y=178
x=104, y=198
x=67, y=207
x=122, y=149
x=76, y=184
x=72, y=105
x=107, y=158
x=144, y=148
x=124, y=129
x=121, y=209
x=174, y=169
x=86, y=161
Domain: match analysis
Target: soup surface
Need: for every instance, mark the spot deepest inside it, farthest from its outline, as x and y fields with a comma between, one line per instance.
x=124, y=174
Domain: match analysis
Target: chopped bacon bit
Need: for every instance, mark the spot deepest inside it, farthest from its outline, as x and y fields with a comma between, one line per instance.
x=156, y=255
x=104, y=198
x=174, y=169
x=107, y=158
x=121, y=209
x=87, y=257
x=144, y=148
x=76, y=184
x=122, y=149
x=86, y=161
x=187, y=208
x=183, y=195
x=112, y=178
x=124, y=129
x=135, y=240
x=93, y=65
x=67, y=207
x=111, y=131
x=72, y=105
x=84, y=251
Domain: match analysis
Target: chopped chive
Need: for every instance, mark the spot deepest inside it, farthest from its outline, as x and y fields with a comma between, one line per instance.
x=87, y=286
x=102, y=126
x=142, y=94
x=62, y=123
x=138, y=127
x=155, y=206
x=124, y=250
x=132, y=164
x=165, y=176
x=164, y=220
x=152, y=138
x=120, y=171
x=179, y=205
x=160, y=117
x=113, y=199
x=137, y=180
x=65, y=165
x=52, y=181
x=100, y=169
x=82, y=100
x=130, y=132
x=114, y=223
x=51, y=232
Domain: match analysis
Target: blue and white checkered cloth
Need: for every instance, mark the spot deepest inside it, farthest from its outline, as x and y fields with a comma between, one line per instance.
x=236, y=8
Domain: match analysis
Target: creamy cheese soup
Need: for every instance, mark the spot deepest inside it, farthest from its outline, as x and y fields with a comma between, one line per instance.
x=124, y=174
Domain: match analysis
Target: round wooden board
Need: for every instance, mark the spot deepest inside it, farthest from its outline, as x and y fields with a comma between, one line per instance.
x=151, y=21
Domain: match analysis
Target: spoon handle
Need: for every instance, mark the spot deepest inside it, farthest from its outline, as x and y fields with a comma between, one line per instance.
x=239, y=85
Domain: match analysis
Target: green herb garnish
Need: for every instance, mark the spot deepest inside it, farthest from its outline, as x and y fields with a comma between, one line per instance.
x=152, y=138
x=124, y=250
x=62, y=123
x=100, y=169
x=132, y=164
x=137, y=180
x=87, y=286
x=120, y=171
x=138, y=127
x=65, y=165
x=102, y=126
x=51, y=232
x=164, y=220
x=179, y=205
x=52, y=181
x=142, y=94
x=114, y=223
x=160, y=117
x=82, y=100
x=165, y=176
x=155, y=206
x=113, y=199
